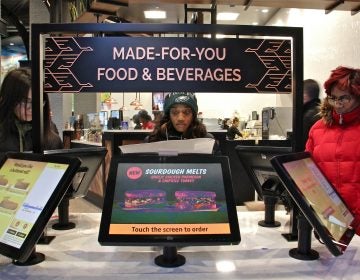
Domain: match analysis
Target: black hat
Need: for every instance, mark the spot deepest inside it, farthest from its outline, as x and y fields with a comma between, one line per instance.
x=143, y=113
x=186, y=98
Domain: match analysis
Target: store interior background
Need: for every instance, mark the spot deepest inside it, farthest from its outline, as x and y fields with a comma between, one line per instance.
x=330, y=40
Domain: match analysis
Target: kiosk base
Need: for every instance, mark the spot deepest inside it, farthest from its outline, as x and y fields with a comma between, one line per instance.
x=264, y=223
x=66, y=226
x=170, y=258
x=33, y=259
x=310, y=255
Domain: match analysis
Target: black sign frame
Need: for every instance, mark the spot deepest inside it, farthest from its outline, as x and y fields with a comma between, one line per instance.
x=39, y=32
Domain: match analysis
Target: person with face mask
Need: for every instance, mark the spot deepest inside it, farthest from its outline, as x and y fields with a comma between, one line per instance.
x=16, y=114
x=334, y=140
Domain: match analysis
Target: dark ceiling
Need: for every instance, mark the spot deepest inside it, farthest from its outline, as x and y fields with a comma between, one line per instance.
x=15, y=21
x=15, y=13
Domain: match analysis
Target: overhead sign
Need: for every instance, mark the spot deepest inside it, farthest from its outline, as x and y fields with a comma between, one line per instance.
x=93, y=64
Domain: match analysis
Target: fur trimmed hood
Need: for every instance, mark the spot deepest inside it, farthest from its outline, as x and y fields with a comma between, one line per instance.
x=326, y=112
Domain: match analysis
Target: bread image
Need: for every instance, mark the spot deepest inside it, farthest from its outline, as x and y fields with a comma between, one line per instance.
x=8, y=204
x=195, y=200
x=144, y=198
x=21, y=185
x=3, y=180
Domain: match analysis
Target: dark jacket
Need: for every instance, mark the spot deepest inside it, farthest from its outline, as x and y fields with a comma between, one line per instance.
x=232, y=132
x=10, y=139
x=311, y=114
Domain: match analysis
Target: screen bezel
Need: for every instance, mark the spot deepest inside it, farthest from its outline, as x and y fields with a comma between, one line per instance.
x=169, y=240
x=21, y=254
x=336, y=248
x=258, y=158
x=83, y=154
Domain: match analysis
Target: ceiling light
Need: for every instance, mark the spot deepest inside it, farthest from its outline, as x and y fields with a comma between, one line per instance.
x=220, y=36
x=227, y=16
x=155, y=14
x=265, y=11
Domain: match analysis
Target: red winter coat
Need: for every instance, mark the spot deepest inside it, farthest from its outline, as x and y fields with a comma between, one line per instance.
x=336, y=149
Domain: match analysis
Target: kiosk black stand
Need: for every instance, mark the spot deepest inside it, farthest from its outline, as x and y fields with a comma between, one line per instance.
x=63, y=213
x=304, y=251
x=270, y=193
x=170, y=258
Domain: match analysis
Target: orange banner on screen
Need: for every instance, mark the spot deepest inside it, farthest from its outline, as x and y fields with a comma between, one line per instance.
x=173, y=229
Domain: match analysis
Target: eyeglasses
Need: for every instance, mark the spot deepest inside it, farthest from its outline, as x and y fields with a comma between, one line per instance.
x=344, y=99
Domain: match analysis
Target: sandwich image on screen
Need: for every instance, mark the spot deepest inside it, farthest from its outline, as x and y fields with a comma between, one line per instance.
x=177, y=194
x=170, y=199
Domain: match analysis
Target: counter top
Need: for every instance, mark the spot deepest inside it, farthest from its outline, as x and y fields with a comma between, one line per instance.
x=262, y=254
x=84, y=142
x=149, y=130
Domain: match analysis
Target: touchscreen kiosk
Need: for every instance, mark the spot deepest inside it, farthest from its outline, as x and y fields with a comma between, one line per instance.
x=268, y=187
x=31, y=186
x=169, y=201
x=317, y=199
x=256, y=162
x=91, y=159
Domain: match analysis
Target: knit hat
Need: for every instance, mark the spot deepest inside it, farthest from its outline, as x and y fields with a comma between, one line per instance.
x=185, y=98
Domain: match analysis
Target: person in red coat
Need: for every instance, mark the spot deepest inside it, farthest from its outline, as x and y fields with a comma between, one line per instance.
x=334, y=140
x=145, y=120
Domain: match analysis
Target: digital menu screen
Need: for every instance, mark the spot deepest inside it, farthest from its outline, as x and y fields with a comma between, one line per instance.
x=321, y=196
x=25, y=188
x=169, y=199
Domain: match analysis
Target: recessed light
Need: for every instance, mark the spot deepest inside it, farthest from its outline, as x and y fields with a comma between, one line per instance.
x=265, y=10
x=227, y=16
x=155, y=14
